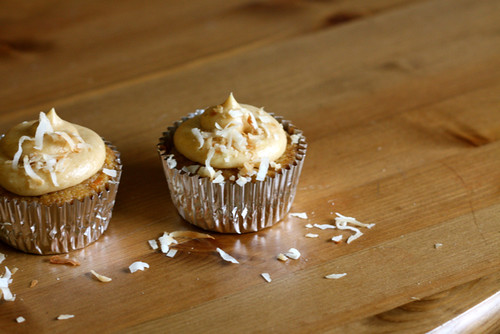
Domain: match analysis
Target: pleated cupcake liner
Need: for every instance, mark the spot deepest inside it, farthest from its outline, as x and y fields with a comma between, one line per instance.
x=228, y=207
x=36, y=228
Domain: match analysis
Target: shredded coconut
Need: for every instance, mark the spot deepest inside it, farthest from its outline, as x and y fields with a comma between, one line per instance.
x=342, y=221
x=109, y=172
x=2, y=257
x=267, y=277
x=171, y=252
x=438, y=245
x=5, y=280
x=101, y=278
x=43, y=127
x=301, y=215
x=335, y=276
x=337, y=239
x=281, y=257
x=29, y=171
x=312, y=235
x=165, y=241
x=293, y=254
x=295, y=138
x=153, y=244
x=171, y=163
x=324, y=226
x=226, y=256
x=65, y=316
x=17, y=156
x=197, y=134
x=218, y=177
x=209, y=168
x=138, y=265
x=241, y=181
x=263, y=167
x=309, y=226
x=20, y=319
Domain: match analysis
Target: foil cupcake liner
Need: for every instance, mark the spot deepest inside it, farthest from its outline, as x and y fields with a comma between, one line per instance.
x=228, y=207
x=53, y=229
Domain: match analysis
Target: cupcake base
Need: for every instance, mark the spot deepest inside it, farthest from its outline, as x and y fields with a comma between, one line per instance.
x=228, y=207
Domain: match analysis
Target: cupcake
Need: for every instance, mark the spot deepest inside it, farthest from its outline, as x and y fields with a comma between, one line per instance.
x=58, y=183
x=232, y=168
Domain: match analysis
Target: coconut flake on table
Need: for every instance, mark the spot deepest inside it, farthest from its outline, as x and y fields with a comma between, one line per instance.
x=309, y=226
x=101, y=278
x=267, y=277
x=293, y=254
x=171, y=253
x=109, y=172
x=165, y=241
x=438, y=245
x=337, y=239
x=2, y=257
x=341, y=222
x=263, y=167
x=324, y=226
x=65, y=316
x=226, y=256
x=153, y=244
x=311, y=235
x=5, y=280
x=301, y=215
x=281, y=257
x=20, y=319
x=138, y=265
x=335, y=276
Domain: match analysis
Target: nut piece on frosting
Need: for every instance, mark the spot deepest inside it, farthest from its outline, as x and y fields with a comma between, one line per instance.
x=231, y=135
x=49, y=154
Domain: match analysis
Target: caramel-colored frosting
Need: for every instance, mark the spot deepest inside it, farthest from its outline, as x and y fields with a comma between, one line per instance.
x=231, y=135
x=48, y=154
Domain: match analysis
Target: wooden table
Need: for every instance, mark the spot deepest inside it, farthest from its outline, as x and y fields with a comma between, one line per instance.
x=400, y=103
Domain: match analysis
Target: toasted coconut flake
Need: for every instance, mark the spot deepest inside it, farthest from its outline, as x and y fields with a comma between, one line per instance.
x=20, y=319
x=312, y=235
x=29, y=171
x=43, y=127
x=101, y=278
x=263, y=167
x=14, y=270
x=190, y=235
x=171, y=252
x=153, y=244
x=2, y=257
x=274, y=165
x=17, y=155
x=293, y=254
x=5, y=280
x=335, y=276
x=309, y=226
x=337, y=239
x=56, y=259
x=67, y=138
x=226, y=257
x=267, y=277
x=438, y=245
x=65, y=316
x=324, y=226
x=33, y=283
x=138, y=265
x=109, y=172
x=301, y=215
x=281, y=257
x=197, y=134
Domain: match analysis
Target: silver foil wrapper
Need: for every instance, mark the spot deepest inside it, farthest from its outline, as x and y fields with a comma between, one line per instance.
x=41, y=229
x=228, y=207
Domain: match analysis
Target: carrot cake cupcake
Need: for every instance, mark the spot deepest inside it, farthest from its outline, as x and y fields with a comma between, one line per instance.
x=232, y=168
x=58, y=183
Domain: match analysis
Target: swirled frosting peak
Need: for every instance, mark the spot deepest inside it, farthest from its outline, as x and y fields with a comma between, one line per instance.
x=231, y=135
x=49, y=154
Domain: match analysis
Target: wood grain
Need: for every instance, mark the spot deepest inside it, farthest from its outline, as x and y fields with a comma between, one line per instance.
x=398, y=101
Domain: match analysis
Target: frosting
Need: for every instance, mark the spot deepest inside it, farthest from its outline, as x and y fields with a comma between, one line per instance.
x=48, y=154
x=231, y=135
